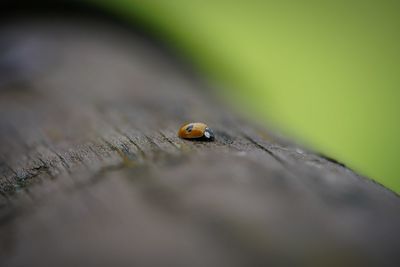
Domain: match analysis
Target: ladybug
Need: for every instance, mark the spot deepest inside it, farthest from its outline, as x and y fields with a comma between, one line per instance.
x=196, y=131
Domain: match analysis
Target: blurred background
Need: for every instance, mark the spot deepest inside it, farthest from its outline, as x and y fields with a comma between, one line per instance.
x=325, y=73
x=92, y=172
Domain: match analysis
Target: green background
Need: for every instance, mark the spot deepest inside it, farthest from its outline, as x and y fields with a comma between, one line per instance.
x=324, y=72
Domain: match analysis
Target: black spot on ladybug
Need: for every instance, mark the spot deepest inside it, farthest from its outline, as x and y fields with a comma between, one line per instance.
x=189, y=128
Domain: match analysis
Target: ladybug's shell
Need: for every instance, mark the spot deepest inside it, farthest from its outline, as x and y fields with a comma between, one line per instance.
x=192, y=130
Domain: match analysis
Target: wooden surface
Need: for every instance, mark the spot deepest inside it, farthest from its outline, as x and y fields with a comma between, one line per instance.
x=92, y=172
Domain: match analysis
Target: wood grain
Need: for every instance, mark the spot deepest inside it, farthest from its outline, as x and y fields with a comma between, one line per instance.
x=92, y=171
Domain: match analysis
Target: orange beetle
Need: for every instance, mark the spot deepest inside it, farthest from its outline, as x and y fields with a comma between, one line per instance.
x=196, y=131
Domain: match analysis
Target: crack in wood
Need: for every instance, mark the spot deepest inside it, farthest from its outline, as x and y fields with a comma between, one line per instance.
x=277, y=158
x=168, y=140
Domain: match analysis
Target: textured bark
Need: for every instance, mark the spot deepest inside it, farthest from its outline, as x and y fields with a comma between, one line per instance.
x=92, y=172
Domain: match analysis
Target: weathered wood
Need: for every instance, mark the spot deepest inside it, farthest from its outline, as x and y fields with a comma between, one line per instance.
x=92, y=172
